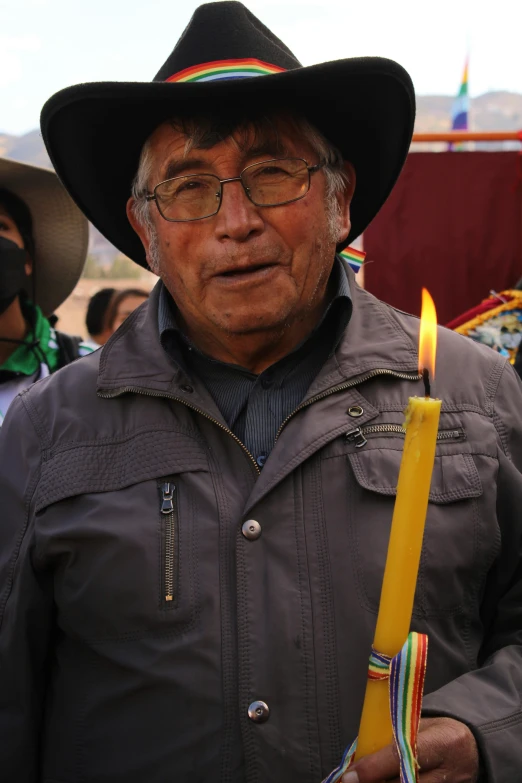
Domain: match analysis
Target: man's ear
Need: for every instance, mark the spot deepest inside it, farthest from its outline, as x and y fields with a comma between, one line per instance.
x=137, y=226
x=344, y=199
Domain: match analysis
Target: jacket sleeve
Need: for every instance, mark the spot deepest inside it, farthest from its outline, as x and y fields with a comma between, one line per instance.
x=25, y=602
x=489, y=699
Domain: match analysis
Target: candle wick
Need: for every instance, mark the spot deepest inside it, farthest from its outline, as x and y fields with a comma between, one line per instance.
x=426, y=381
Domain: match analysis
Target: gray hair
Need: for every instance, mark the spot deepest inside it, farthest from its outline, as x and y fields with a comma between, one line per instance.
x=206, y=132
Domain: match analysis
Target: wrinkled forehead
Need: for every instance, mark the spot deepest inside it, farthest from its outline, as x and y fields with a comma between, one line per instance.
x=274, y=133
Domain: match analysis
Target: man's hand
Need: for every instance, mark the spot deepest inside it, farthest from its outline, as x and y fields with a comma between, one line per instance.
x=447, y=753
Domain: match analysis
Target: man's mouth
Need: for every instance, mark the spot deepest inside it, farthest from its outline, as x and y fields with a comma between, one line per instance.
x=246, y=272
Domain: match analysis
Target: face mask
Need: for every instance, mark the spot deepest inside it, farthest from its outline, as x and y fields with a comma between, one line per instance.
x=12, y=272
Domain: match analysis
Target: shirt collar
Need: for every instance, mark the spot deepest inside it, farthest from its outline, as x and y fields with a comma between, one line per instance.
x=168, y=326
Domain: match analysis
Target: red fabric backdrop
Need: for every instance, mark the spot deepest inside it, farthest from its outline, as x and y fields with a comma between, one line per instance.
x=453, y=224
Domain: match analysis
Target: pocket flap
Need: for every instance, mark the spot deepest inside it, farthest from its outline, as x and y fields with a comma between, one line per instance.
x=455, y=476
x=109, y=466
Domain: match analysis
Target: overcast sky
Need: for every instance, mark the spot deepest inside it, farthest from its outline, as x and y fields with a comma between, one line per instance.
x=49, y=44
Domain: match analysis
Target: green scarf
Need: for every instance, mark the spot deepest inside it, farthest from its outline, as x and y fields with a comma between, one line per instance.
x=26, y=361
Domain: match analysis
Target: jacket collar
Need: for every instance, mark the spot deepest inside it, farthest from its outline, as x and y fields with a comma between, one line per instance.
x=374, y=340
x=134, y=360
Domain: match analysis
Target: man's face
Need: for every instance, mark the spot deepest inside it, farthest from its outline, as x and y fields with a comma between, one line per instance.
x=247, y=269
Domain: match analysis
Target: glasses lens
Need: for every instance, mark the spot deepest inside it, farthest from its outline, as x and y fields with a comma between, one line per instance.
x=277, y=181
x=188, y=198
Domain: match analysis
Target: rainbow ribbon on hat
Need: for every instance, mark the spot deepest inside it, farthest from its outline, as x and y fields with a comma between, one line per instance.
x=406, y=672
x=219, y=70
x=354, y=258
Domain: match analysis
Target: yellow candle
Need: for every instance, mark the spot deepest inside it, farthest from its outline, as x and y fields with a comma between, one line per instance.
x=404, y=548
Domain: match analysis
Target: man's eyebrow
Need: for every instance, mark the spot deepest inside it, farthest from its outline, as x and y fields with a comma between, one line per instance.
x=177, y=167
x=272, y=149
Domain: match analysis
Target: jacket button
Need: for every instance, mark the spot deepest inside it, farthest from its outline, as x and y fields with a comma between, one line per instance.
x=187, y=388
x=251, y=529
x=259, y=712
x=355, y=411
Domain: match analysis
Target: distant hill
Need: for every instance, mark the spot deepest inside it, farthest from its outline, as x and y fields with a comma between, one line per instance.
x=491, y=111
x=28, y=148
x=488, y=112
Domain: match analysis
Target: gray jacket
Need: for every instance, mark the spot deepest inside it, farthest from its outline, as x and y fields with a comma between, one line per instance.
x=143, y=612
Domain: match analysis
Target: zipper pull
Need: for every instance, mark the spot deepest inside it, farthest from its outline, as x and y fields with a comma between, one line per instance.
x=167, y=505
x=356, y=437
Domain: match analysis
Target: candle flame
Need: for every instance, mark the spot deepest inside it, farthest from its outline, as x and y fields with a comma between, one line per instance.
x=428, y=334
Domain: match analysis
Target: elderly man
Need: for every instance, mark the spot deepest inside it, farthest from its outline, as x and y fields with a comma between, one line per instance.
x=195, y=519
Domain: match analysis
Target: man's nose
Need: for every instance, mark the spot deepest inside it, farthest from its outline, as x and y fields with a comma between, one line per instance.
x=237, y=218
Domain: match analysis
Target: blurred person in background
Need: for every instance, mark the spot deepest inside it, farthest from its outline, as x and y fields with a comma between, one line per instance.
x=43, y=246
x=96, y=317
x=122, y=305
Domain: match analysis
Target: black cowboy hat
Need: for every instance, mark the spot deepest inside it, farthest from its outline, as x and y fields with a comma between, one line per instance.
x=226, y=57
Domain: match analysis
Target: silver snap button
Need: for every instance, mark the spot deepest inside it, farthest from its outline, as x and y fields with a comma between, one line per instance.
x=355, y=411
x=259, y=712
x=251, y=529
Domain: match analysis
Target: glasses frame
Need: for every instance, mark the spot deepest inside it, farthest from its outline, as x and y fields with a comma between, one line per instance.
x=311, y=170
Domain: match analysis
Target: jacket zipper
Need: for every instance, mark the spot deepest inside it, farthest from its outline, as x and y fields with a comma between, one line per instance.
x=134, y=390
x=168, y=510
x=358, y=436
x=404, y=376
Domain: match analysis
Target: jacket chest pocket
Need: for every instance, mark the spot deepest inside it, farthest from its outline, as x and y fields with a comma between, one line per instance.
x=459, y=540
x=126, y=562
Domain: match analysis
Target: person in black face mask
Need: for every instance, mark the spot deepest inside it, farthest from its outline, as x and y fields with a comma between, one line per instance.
x=43, y=246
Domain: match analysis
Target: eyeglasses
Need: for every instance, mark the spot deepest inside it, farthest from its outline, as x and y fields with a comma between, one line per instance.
x=270, y=183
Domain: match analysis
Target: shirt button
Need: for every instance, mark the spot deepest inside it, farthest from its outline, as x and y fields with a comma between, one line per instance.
x=251, y=529
x=261, y=459
x=266, y=383
x=259, y=712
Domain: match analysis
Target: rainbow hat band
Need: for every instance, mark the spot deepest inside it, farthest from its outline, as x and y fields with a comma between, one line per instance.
x=355, y=258
x=219, y=70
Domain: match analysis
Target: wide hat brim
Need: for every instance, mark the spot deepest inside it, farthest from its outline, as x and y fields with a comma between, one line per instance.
x=60, y=231
x=94, y=133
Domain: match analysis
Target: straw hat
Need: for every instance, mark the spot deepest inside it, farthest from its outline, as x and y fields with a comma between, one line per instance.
x=227, y=58
x=60, y=231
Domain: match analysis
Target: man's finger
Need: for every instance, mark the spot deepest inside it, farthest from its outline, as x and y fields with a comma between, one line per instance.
x=384, y=765
x=380, y=766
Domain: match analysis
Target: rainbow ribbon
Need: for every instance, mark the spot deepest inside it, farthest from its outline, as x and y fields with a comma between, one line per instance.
x=406, y=672
x=354, y=258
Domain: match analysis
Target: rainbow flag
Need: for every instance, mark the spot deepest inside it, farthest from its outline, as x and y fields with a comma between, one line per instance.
x=354, y=258
x=460, y=110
